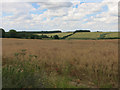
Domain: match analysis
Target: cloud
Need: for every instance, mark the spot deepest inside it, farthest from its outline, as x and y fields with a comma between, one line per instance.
x=86, y=1
x=17, y=9
x=111, y=16
x=55, y=5
x=111, y=1
x=62, y=15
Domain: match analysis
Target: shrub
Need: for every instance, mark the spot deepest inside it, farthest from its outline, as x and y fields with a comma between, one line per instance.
x=44, y=36
x=35, y=37
x=56, y=37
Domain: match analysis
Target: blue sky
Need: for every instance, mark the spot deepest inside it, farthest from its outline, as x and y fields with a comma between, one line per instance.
x=6, y=14
x=84, y=14
x=35, y=5
x=38, y=11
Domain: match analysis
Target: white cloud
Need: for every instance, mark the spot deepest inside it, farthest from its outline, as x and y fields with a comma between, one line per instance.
x=64, y=16
x=111, y=1
x=39, y=0
x=111, y=16
x=58, y=1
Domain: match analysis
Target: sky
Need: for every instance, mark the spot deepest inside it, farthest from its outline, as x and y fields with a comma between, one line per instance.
x=70, y=15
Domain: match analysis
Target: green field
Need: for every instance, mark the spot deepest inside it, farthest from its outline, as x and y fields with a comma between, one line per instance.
x=112, y=35
x=93, y=35
x=85, y=35
x=59, y=34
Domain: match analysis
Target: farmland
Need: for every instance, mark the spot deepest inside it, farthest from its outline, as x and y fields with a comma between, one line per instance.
x=49, y=35
x=93, y=35
x=86, y=35
x=59, y=34
x=29, y=63
x=112, y=35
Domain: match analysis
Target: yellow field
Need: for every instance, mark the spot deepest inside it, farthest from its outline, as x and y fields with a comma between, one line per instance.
x=62, y=63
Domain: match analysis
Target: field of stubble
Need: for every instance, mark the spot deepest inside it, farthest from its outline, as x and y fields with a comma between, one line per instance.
x=60, y=63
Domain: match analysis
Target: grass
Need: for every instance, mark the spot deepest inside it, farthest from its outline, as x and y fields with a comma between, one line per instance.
x=60, y=63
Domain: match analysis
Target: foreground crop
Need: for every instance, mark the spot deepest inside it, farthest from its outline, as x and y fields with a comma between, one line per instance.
x=65, y=64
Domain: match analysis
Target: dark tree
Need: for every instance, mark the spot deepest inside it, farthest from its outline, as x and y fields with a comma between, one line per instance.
x=81, y=31
x=13, y=33
x=56, y=37
x=2, y=33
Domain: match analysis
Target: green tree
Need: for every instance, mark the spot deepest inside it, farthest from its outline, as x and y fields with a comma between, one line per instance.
x=56, y=37
x=2, y=33
x=13, y=33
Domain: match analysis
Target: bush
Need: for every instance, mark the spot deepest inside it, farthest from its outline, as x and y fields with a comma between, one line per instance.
x=44, y=36
x=56, y=37
x=35, y=37
x=38, y=37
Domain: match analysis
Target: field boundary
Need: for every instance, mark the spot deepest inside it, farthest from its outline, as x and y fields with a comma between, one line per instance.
x=64, y=37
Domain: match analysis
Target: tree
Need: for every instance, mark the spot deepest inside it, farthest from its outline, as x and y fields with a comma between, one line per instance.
x=81, y=31
x=2, y=31
x=13, y=33
x=56, y=37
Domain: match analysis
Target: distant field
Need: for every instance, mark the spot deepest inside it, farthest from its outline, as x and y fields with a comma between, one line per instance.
x=93, y=35
x=59, y=34
x=112, y=35
x=86, y=35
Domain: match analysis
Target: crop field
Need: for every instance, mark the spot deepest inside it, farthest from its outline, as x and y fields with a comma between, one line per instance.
x=94, y=35
x=86, y=35
x=112, y=35
x=59, y=34
x=59, y=63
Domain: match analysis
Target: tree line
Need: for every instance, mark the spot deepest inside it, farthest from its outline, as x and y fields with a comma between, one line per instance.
x=32, y=35
x=81, y=31
x=27, y=35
